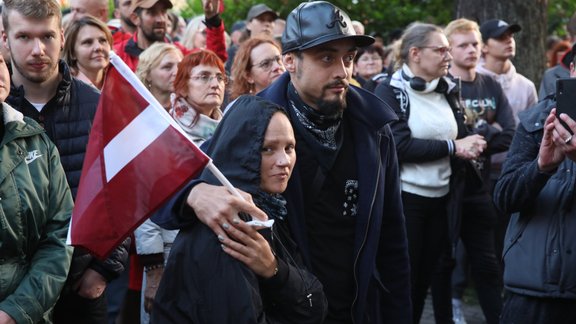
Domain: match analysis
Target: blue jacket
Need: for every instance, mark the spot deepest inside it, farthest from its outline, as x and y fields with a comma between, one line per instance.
x=381, y=267
x=540, y=246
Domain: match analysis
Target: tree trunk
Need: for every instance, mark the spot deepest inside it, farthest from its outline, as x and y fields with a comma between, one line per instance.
x=531, y=15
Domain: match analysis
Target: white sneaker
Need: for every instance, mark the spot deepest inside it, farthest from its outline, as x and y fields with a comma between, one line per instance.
x=457, y=314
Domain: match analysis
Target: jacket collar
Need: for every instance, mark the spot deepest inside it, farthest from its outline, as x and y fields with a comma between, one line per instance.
x=62, y=92
x=362, y=105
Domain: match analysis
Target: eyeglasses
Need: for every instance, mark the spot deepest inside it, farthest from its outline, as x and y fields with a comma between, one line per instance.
x=266, y=64
x=442, y=50
x=207, y=78
x=368, y=58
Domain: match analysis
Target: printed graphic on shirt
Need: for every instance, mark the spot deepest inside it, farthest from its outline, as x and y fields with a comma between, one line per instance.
x=32, y=155
x=476, y=110
x=350, y=198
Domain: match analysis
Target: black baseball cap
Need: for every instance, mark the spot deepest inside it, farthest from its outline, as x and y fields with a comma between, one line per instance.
x=495, y=28
x=258, y=10
x=318, y=22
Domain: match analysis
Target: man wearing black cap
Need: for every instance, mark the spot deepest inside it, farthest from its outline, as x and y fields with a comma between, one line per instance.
x=498, y=50
x=343, y=200
x=260, y=21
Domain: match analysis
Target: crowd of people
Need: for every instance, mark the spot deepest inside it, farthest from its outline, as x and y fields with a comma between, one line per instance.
x=390, y=172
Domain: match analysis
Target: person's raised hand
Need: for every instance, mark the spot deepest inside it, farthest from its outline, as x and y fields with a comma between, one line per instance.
x=215, y=206
x=210, y=8
x=550, y=154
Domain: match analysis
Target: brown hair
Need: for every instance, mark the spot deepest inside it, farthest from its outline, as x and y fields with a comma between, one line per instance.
x=35, y=9
x=243, y=63
x=71, y=36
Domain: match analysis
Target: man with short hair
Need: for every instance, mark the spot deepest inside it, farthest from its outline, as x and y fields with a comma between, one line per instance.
x=96, y=8
x=43, y=89
x=343, y=200
x=149, y=17
x=498, y=49
x=260, y=21
x=487, y=113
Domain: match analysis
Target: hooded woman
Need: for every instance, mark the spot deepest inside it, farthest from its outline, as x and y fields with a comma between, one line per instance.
x=256, y=277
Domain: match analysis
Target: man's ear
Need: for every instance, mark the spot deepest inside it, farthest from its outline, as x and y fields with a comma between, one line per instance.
x=290, y=62
x=572, y=71
x=135, y=19
x=414, y=54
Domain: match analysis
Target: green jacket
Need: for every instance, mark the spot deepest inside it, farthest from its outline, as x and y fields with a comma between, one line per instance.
x=35, y=209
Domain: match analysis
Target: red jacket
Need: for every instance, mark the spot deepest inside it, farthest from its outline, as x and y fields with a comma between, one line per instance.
x=129, y=51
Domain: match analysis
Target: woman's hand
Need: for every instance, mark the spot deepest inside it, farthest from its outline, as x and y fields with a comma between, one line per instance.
x=470, y=147
x=251, y=248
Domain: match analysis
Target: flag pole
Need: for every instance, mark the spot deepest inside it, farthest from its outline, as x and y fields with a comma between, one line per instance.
x=127, y=74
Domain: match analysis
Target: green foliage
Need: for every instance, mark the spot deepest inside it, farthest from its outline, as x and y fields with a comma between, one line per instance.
x=379, y=16
x=559, y=12
x=383, y=16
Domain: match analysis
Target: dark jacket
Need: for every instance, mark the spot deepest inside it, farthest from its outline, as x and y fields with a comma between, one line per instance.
x=67, y=119
x=540, y=246
x=381, y=267
x=203, y=284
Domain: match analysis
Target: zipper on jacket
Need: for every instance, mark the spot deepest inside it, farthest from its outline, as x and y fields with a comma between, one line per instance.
x=366, y=233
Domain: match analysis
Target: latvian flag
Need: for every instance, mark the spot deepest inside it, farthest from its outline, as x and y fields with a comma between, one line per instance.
x=136, y=159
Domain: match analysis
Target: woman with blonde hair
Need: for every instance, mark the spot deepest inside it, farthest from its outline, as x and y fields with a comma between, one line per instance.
x=257, y=64
x=157, y=70
x=87, y=50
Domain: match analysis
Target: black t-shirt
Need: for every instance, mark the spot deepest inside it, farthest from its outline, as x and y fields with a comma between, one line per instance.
x=485, y=104
x=330, y=221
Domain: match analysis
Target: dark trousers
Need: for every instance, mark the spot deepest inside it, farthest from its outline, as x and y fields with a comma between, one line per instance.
x=427, y=231
x=73, y=309
x=520, y=309
x=475, y=254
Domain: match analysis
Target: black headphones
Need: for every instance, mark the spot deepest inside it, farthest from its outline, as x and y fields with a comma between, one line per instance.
x=419, y=84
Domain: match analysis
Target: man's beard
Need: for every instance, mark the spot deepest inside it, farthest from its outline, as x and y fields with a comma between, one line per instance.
x=36, y=77
x=332, y=107
x=153, y=37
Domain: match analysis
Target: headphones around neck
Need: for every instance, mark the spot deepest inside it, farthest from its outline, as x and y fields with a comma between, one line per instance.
x=419, y=84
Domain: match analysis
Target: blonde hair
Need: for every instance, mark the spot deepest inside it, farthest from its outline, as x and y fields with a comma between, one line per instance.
x=191, y=31
x=35, y=9
x=151, y=57
x=462, y=25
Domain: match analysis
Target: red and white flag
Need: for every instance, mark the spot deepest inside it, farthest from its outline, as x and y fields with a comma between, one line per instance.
x=137, y=158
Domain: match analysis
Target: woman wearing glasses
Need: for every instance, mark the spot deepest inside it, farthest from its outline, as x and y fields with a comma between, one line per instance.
x=369, y=66
x=257, y=64
x=433, y=146
x=198, y=94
